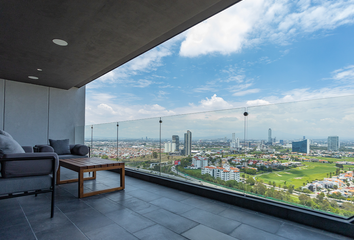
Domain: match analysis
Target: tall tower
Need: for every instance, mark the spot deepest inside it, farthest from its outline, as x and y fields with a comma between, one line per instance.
x=233, y=137
x=188, y=143
x=269, y=135
x=175, y=139
x=333, y=143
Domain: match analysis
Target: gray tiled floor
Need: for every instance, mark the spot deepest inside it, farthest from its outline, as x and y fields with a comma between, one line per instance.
x=142, y=211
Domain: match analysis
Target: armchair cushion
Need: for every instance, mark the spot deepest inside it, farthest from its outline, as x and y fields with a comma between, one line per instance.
x=8, y=144
x=60, y=146
x=31, y=164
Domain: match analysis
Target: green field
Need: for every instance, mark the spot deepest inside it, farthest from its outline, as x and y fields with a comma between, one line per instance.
x=297, y=176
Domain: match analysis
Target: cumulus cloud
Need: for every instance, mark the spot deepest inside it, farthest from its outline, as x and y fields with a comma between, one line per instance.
x=214, y=102
x=253, y=22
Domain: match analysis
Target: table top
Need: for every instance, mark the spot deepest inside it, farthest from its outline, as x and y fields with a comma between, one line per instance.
x=90, y=162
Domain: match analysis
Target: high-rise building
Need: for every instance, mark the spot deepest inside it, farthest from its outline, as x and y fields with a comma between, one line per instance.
x=188, y=143
x=235, y=143
x=175, y=139
x=269, y=135
x=168, y=147
x=301, y=146
x=333, y=143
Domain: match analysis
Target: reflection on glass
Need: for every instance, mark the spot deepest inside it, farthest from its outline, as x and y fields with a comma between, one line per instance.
x=297, y=153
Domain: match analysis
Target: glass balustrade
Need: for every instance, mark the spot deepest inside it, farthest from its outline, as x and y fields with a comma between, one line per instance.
x=298, y=153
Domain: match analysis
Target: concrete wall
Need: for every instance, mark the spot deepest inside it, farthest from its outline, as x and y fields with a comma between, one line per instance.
x=32, y=114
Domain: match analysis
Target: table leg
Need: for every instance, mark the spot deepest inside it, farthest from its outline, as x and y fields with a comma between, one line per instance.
x=122, y=177
x=81, y=184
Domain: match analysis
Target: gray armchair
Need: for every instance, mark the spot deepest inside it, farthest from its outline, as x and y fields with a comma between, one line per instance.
x=28, y=173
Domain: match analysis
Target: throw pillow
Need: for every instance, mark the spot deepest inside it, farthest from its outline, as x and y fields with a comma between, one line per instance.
x=80, y=149
x=8, y=144
x=61, y=147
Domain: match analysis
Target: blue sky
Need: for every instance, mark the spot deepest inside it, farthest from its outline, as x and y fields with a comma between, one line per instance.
x=254, y=53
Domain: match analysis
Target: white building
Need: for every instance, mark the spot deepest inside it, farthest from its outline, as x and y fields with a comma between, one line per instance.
x=199, y=161
x=225, y=173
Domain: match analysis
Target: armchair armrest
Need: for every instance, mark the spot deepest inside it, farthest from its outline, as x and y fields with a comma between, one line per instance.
x=28, y=164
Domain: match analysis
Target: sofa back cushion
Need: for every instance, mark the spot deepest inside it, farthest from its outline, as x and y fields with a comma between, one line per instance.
x=8, y=144
x=60, y=146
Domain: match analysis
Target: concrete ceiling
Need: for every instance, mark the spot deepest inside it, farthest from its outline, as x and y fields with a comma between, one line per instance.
x=101, y=35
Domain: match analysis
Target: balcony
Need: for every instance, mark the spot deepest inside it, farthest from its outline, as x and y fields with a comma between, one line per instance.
x=142, y=211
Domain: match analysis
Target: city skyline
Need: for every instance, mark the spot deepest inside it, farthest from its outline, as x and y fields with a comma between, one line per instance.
x=287, y=121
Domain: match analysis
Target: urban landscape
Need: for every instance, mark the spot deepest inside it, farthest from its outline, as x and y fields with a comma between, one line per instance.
x=316, y=174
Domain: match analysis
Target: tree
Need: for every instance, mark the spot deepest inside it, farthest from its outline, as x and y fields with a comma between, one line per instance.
x=104, y=157
x=250, y=181
x=335, y=186
x=154, y=154
x=337, y=171
x=305, y=200
x=260, y=188
x=348, y=184
x=320, y=197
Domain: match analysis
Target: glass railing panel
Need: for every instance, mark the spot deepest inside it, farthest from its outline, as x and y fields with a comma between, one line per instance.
x=103, y=140
x=301, y=154
x=88, y=134
x=203, y=148
x=139, y=144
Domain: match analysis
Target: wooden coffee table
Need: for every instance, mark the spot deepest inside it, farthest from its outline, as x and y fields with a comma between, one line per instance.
x=82, y=165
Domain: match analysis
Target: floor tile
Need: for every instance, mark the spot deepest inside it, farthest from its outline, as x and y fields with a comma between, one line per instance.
x=205, y=204
x=130, y=220
x=211, y=220
x=246, y=232
x=67, y=232
x=298, y=233
x=110, y=232
x=157, y=232
x=172, y=205
x=259, y=221
x=144, y=195
x=202, y=232
x=19, y=232
x=170, y=220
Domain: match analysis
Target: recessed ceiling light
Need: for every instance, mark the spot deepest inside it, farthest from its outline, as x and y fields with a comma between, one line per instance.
x=39, y=70
x=60, y=42
x=33, y=77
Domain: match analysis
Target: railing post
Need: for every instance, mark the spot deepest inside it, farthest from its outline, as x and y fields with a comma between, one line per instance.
x=117, y=141
x=160, y=144
x=91, y=140
x=245, y=114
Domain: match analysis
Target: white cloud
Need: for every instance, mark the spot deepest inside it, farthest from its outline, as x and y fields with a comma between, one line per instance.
x=257, y=102
x=249, y=91
x=253, y=22
x=146, y=62
x=346, y=73
x=142, y=83
x=213, y=103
